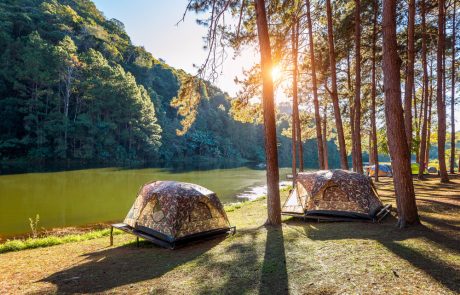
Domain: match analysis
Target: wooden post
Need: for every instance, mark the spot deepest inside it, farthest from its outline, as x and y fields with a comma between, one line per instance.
x=137, y=241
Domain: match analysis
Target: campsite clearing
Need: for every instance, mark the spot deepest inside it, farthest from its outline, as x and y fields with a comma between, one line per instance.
x=297, y=258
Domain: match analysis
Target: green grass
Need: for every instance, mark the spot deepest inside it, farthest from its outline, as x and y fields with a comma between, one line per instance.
x=299, y=257
x=31, y=243
x=234, y=206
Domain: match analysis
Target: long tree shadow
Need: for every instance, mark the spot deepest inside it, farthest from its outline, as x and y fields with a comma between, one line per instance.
x=114, y=267
x=442, y=224
x=237, y=270
x=274, y=277
x=443, y=204
x=391, y=237
x=242, y=270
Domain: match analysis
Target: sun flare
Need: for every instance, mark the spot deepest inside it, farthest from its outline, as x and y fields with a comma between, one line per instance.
x=276, y=72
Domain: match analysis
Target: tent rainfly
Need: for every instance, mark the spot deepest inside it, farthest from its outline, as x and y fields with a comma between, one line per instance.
x=169, y=213
x=334, y=195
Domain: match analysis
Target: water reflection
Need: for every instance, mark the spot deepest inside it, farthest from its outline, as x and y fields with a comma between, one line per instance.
x=78, y=197
x=171, y=166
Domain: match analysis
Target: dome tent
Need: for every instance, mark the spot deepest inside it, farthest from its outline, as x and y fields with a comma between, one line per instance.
x=415, y=167
x=334, y=195
x=384, y=170
x=168, y=213
x=432, y=169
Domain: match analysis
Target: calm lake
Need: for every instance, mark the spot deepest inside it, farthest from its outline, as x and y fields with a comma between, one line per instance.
x=87, y=196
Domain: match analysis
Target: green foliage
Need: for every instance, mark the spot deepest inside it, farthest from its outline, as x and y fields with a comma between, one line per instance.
x=187, y=101
x=72, y=86
x=65, y=92
x=34, y=225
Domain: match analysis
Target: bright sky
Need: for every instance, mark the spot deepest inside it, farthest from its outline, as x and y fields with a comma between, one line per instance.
x=152, y=24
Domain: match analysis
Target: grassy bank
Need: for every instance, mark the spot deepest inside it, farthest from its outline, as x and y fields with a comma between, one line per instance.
x=31, y=243
x=52, y=239
x=297, y=258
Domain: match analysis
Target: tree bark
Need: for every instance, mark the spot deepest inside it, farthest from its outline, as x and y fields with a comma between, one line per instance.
x=423, y=143
x=319, y=139
x=294, y=147
x=420, y=116
x=374, y=94
x=324, y=125
x=357, y=101
x=397, y=141
x=295, y=109
x=371, y=154
x=295, y=91
x=417, y=129
x=452, y=97
x=271, y=151
x=334, y=94
x=352, y=114
x=430, y=105
x=440, y=102
x=409, y=74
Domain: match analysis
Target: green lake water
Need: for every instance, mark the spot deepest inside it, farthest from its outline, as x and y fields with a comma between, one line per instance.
x=87, y=196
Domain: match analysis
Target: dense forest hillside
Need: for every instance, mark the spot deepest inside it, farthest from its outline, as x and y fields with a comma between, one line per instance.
x=73, y=86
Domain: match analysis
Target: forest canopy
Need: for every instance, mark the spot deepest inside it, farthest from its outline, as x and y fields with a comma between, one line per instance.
x=73, y=86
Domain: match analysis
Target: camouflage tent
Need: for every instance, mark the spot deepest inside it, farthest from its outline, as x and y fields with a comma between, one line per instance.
x=169, y=212
x=334, y=194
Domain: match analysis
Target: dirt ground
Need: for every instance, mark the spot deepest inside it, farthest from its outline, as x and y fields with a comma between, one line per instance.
x=297, y=258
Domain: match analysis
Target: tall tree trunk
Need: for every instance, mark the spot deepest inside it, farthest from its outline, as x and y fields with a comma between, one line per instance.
x=397, y=142
x=441, y=105
x=295, y=91
x=430, y=105
x=352, y=114
x=324, y=125
x=371, y=154
x=452, y=98
x=374, y=93
x=417, y=129
x=295, y=109
x=357, y=101
x=299, y=143
x=420, y=116
x=419, y=123
x=271, y=151
x=409, y=73
x=423, y=143
x=334, y=94
x=319, y=139
x=294, y=147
